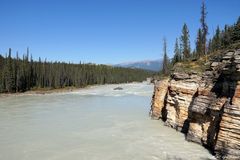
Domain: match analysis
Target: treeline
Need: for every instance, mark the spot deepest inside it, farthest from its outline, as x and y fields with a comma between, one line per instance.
x=225, y=38
x=182, y=50
x=23, y=74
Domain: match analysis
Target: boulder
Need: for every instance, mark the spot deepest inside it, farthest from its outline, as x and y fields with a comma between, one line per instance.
x=180, y=76
x=118, y=88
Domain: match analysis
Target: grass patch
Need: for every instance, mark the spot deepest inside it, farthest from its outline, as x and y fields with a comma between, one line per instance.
x=200, y=65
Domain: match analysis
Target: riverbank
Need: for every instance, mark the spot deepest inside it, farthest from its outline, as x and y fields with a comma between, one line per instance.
x=43, y=91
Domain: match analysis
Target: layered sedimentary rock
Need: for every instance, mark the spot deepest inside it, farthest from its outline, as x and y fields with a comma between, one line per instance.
x=179, y=97
x=205, y=108
x=228, y=142
x=158, y=99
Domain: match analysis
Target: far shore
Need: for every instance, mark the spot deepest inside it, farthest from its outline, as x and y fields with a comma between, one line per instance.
x=43, y=91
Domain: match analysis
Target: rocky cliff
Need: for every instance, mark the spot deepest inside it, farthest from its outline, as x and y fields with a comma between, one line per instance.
x=206, y=107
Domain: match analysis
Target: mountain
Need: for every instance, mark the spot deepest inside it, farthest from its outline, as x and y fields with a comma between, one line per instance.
x=153, y=65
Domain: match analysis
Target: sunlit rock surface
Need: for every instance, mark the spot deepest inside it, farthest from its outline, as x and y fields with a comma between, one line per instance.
x=159, y=98
x=206, y=108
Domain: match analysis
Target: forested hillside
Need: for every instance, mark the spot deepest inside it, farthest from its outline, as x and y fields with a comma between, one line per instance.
x=22, y=74
x=222, y=39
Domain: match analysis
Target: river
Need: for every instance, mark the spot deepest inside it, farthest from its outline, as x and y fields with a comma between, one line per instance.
x=96, y=123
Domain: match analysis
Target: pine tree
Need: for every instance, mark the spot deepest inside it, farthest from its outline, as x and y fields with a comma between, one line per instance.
x=177, y=53
x=210, y=45
x=9, y=73
x=185, y=42
x=199, y=47
x=1, y=74
x=216, y=42
x=194, y=54
x=204, y=28
x=226, y=37
x=235, y=36
x=19, y=75
x=165, y=68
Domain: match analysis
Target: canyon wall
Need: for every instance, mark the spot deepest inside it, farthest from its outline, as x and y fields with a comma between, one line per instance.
x=206, y=107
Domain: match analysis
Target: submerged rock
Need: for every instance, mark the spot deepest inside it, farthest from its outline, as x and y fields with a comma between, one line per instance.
x=118, y=88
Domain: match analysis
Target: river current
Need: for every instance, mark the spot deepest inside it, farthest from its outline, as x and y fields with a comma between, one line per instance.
x=96, y=123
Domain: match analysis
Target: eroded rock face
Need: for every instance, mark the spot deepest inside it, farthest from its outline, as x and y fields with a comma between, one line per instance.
x=206, y=108
x=159, y=96
x=228, y=143
x=178, y=99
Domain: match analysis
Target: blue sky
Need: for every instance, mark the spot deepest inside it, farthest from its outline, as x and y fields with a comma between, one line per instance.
x=104, y=31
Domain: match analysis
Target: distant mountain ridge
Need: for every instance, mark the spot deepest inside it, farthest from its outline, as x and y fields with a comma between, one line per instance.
x=152, y=65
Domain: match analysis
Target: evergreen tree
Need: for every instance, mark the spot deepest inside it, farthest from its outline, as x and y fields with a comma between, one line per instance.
x=19, y=75
x=9, y=74
x=226, y=40
x=165, y=68
x=185, y=42
x=235, y=36
x=194, y=54
x=210, y=45
x=204, y=28
x=216, y=42
x=177, y=53
x=1, y=74
x=199, y=47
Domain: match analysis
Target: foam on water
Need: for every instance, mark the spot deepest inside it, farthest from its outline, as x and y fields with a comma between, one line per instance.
x=140, y=89
x=97, y=123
